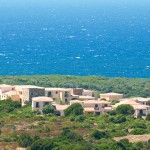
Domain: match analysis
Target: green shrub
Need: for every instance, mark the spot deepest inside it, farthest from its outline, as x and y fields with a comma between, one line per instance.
x=42, y=145
x=25, y=140
x=113, y=113
x=48, y=109
x=74, y=110
x=139, y=125
x=118, y=119
x=148, y=117
x=99, y=134
x=114, y=102
x=138, y=131
x=125, y=109
x=80, y=118
x=36, y=112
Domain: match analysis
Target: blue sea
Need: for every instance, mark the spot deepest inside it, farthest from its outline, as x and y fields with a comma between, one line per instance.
x=75, y=37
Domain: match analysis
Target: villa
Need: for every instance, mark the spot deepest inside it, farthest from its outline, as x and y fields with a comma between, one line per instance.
x=111, y=96
x=66, y=95
x=94, y=106
x=13, y=95
x=140, y=109
x=62, y=94
x=39, y=102
x=27, y=92
x=61, y=98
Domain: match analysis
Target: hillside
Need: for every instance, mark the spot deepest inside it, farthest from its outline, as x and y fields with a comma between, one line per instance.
x=20, y=126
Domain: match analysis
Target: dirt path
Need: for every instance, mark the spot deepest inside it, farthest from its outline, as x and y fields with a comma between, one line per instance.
x=134, y=138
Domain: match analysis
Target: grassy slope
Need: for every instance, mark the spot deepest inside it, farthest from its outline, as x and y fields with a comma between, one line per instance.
x=128, y=86
x=23, y=120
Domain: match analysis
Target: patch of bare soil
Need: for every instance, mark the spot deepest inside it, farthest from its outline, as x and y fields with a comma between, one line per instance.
x=134, y=138
x=8, y=146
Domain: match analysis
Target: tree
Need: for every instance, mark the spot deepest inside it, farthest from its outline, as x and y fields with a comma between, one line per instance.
x=48, y=109
x=125, y=109
x=75, y=110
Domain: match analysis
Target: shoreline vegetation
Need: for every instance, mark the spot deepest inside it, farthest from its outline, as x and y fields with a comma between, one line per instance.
x=130, y=87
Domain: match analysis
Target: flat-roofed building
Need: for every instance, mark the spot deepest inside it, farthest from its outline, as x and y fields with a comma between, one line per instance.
x=144, y=101
x=140, y=109
x=94, y=106
x=5, y=88
x=111, y=96
x=27, y=92
x=83, y=98
x=39, y=102
x=90, y=93
x=63, y=94
x=13, y=95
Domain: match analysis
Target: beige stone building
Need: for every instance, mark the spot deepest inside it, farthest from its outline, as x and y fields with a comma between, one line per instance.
x=140, y=109
x=90, y=93
x=111, y=96
x=13, y=95
x=94, y=106
x=7, y=91
x=27, y=92
x=63, y=94
x=39, y=102
x=6, y=88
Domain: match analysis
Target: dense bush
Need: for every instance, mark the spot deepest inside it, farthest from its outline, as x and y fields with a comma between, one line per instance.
x=8, y=105
x=99, y=134
x=138, y=131
x=25, y=140
x=118, y=119
x=74, y=110
x=139, y=125
x=48, y=109
x=125, y=109
x=45, y=144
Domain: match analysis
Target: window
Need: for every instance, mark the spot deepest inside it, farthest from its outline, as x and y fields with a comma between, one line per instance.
x=140, y=112
x=66, y=94
x=49, y=94
x=66, y=100
x=37, y=105
x=96, y=107
x=56, y=92
x=97, y=113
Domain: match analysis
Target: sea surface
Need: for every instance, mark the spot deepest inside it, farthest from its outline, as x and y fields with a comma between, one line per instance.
x=78, y=37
